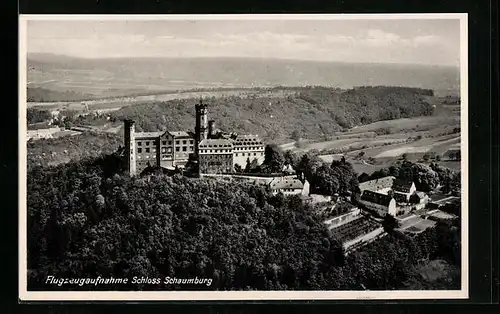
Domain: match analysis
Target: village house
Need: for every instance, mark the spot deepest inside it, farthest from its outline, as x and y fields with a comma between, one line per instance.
x=381, y=185
x=289, y=186
x=380, y=203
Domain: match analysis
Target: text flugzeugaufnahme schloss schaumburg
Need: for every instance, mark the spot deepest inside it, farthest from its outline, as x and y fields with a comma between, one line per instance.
x=135, y=280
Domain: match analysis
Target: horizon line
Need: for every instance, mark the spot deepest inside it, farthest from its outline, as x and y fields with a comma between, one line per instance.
x=455, y=66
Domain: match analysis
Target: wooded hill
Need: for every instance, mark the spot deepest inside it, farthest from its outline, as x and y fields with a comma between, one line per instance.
x=85, y=219
x=314, y=112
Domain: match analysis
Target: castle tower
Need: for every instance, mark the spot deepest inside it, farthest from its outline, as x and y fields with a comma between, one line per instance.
x=130, y=158
x=211, y=128
x=201, y=128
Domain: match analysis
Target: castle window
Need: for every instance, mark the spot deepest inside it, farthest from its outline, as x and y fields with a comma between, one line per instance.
x=139, y=143
x=164, y=142
x=147, y=143
x=147, y=156
x=177, y=149
x=190, y=148
x=184, y=142
x=177, y=142
x=147, y=149
x=169, y=142
x=163, y=149
x=139, y=150
x=190, y=141
x=236, y=154
x=169, y=149
x=184, y=148
x=255, y=154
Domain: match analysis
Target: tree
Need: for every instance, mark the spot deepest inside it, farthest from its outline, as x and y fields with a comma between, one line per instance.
x=363, y=177
x=237, y=168
x=248, y=166
x=295, y=135
x=273, y=158
x=361, y=154
x=390, y=223
x=290, y=159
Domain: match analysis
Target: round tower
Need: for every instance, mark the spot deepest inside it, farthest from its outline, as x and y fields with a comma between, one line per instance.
x=129, y=143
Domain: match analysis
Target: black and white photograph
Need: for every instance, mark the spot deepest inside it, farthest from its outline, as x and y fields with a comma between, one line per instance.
x=241, y=157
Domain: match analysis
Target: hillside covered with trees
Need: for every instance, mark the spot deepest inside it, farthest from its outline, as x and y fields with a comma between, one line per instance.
x=52, y=151
x=87, y=219
x=313, y=112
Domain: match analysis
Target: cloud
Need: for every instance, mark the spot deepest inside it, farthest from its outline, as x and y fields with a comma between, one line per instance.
x=377, y=37
x=339, y=39
x=427, y=40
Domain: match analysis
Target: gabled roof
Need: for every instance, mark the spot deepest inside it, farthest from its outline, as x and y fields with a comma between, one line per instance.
x=179, y=133
x=377, y=198
x=285, y=183
x=402, y=185
x=377, y=184
x=288, y=168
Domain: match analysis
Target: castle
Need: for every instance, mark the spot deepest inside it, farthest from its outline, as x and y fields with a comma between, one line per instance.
x=214, y=151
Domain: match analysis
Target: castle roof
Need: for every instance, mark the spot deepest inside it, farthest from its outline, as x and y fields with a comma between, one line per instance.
x=215, y=143
x=247, y=140
x=377, y=198
x=402, y=185
x=377, y=184
x=148, y=135
x=179, y=133
x=286, y=183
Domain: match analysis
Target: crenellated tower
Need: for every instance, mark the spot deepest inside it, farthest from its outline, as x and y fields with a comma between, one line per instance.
x=129, y=143
x=201, y=128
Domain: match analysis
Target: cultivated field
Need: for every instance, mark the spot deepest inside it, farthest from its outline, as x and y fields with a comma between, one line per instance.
x=412, y=137
x=119, y=102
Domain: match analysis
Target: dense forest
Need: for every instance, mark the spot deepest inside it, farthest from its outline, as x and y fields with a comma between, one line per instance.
x=314, y=112
x=86, y=219
x=52, y=151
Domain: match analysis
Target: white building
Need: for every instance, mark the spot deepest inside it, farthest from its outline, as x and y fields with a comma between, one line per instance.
x=247, y=147
x=289, y=186
x=381, y=203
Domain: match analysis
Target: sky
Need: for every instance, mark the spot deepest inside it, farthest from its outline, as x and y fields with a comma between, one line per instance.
x=415, y=41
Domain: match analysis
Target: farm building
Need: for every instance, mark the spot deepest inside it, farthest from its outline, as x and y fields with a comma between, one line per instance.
x=381, y=185
x=403, y=190
x=289, y=186
x=381, y=203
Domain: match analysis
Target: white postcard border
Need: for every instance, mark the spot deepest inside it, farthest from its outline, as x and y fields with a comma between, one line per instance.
x=25, y=295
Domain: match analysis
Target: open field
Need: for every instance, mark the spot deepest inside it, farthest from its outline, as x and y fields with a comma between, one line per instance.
x=386, y=149
x=417, y=123
x=119, y=102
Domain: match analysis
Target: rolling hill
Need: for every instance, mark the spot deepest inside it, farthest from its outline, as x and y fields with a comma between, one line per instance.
x=127, y=76
x=313, y=112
